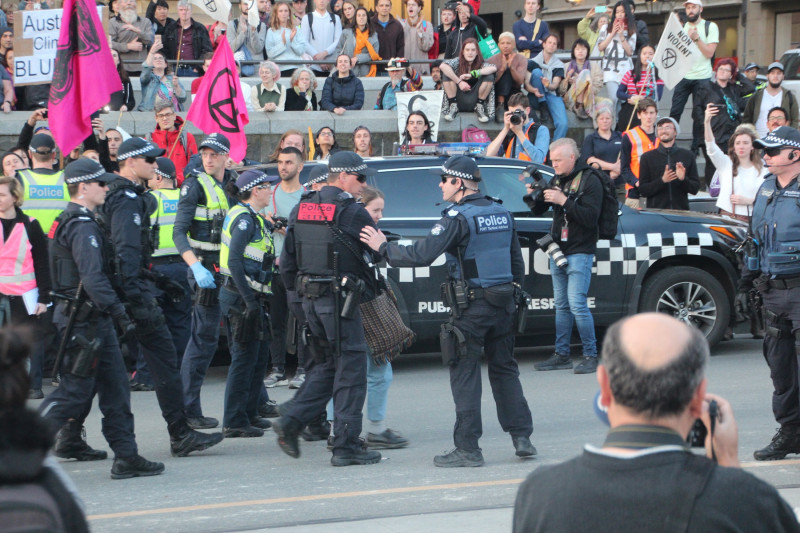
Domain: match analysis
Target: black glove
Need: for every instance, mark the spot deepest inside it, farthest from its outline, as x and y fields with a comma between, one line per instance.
x=174, y=290
x=249, y=326
x=147, y=317
x=125, y=326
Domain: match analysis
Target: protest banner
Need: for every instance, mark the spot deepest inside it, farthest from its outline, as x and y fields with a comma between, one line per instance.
x=676, y=54
x=429, y=102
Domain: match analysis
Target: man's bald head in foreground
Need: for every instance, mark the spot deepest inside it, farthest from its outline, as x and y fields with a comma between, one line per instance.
x=653, y=364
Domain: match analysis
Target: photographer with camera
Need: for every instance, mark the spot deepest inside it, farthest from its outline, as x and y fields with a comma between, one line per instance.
x=575, y=194
x=521, y=137
x=653, y=388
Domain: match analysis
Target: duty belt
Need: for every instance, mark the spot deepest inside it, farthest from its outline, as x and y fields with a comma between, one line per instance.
x=787, y=283
x=314, y=286
x=166, y=260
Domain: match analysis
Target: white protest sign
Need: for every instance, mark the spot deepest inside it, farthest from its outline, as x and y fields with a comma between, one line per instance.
x=429, y=102
x=676, y=53
x=218, y=10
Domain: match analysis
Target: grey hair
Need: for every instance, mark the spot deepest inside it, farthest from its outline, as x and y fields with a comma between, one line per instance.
x=184, y=3
x=657, y=393
x=276, y=72
x=567, y=143
x=299, y=71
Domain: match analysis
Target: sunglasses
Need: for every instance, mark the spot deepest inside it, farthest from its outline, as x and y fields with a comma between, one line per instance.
x=149, y=159
x=360, y=177
x=447, y=178
x=100, y=183
x=774, y=152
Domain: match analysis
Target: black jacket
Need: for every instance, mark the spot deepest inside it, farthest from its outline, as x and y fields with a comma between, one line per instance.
x=457, y=36
x=345, y=92
x=672, y=195
x=581, y=211
x=724, y=123
x=201, y=43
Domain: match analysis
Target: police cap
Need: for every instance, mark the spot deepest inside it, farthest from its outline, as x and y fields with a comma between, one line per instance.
x=459, y=166
x=85, y=169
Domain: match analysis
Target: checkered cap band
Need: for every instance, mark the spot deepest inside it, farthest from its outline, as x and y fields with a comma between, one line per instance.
x=776, y=141
x=318, y=179
x=88, y=177
x=216, y=143
x=140, y=151
x=349, y=170
x=457, y=174
x=258, y=181
x=164, y=175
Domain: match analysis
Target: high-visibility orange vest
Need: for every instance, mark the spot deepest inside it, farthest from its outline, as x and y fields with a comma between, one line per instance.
x=16, y=263
x=641, y=143
x=523, y=155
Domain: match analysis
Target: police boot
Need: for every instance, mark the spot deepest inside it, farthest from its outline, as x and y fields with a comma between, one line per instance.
x=317, y=429
x=71, y=444
x=523, y=446
x=288, y=429
x=785, y=441
x=135, y=466
x=183, y=440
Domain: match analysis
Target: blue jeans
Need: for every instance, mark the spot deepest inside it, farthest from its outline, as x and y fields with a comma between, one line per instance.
x=379, y=378
x=554, y=103
x=570, y=289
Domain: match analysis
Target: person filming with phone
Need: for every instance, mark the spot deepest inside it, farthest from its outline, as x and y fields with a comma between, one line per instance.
x=575, y=194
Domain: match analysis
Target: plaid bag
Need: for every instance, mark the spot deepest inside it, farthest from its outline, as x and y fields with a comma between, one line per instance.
x=384, y=329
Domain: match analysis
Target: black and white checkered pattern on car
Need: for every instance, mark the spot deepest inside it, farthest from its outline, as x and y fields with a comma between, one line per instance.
x=651, y=247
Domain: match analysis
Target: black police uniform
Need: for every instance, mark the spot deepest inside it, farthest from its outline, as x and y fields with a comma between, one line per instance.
x=125, y=215
x=480, y=240
x=307, y=255
x=205, y=318
x=79, y=253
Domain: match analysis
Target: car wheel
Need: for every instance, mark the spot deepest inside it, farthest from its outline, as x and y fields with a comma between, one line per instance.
x=692, y=296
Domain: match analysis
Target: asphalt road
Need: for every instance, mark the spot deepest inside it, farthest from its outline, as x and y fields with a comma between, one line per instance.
x=249, y=484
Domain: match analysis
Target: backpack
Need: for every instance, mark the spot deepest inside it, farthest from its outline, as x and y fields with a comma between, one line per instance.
x=609, y=209
x=473, y=134
x=29, y=507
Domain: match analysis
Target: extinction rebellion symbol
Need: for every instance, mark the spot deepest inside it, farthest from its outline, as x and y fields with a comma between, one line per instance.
x=668, y=58
x=211, y=6
x=223, y=111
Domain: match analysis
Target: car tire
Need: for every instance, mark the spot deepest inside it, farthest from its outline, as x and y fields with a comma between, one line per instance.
x=708, y=305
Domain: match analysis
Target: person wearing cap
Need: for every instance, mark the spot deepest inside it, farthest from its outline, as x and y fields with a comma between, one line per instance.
x=322, y=241
x=398, y=83
x=747, y=82
x=773, y=269
x=45, y=193
x=126, y=217
x=772, y=95
x=80, y=262
x=668, y=174
x=197, y=234
x=479, y=240
x=246, y=264
x=644, y=477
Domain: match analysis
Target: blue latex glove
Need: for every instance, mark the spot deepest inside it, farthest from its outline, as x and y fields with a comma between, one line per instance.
x=204, y=278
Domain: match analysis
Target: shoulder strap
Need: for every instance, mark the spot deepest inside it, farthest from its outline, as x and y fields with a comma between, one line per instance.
x=694, y=476
x=708, y=27
x=536, y=28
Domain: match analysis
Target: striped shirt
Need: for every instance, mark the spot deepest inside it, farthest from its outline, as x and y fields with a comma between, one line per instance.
x=639, y=87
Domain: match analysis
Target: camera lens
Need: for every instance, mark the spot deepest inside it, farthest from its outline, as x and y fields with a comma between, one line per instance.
x=515, y=119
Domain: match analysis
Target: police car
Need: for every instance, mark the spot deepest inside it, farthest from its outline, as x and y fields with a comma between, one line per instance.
x=676, y=262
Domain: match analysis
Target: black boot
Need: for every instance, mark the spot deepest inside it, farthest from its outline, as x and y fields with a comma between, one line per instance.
x=136, y=466
x=71, y=444
x=318, y=429
x=183, y=440
x=785, y=441
x=288, y=429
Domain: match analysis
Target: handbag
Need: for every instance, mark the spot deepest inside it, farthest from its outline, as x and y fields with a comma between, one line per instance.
x=527, y=53
x=384, y=329
x=487, y=45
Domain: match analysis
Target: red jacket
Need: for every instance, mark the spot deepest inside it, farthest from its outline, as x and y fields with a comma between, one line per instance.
x=185, y=148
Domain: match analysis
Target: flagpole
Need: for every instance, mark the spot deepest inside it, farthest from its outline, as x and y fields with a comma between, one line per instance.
x=636, y=103
x=119, y=119
x=180, y=45
x=178, y=138
x=311, y=149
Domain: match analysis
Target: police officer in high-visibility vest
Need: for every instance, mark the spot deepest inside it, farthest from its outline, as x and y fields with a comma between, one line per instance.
x=45, y=193
x=197, y=234
x=125, y=216
x=246, y=262
x=82, y=265
x=775, y=228
x=484, y=259
x=521, y=137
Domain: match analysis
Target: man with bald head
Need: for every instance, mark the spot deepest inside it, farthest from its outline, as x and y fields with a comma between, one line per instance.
x=644, y=477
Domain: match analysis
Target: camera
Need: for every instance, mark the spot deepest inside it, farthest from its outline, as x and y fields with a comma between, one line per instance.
x=552, y=249
x=518, y=117
x=538, y=184
x=279, y=223
x=697, y=435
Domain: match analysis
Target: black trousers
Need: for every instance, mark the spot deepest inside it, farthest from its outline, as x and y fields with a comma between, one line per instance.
x=781, y=351
x=73, y=397
x=342, y=377
x=488, y=330
x=679, y=98
x=279, y=319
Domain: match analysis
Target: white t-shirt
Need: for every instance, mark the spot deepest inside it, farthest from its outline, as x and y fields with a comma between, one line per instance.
x=767, y=102
x=746, y=182
x=615, y=61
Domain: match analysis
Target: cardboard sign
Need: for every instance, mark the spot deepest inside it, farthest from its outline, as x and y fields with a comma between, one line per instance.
x=429, y=102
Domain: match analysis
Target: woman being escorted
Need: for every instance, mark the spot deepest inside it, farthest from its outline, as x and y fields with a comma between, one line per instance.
x=246, y=259
x=468, y=83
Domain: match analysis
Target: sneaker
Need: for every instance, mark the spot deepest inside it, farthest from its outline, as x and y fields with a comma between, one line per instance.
x=136, y=466
x=141, y=387
x=458, y=458
x=71, y=444
x=785, y=441
x=276, y=378
x=480, y=110
x=389, y=439
x=245, y=432
x=56, y=380
x=35, y=394
x=193, y=441
x=260, y=423
x=588, y=365
x=318, y=429
x=202, y=422
x=287, y=432
x=298, y=379
x=523, y=446
x=268, y=409
x=556, y=361
x=451, y=113
x=356, y=457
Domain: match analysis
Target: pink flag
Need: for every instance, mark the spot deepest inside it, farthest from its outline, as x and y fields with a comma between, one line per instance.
x=84, y=75
x=219, y=105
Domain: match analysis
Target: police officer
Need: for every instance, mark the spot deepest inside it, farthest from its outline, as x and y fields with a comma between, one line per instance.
x=322, y=242
x=45, y=193
x=775, y=227
x=484, y=260
x=246, y=261
x=197, y=235
x=80, y=260
x=125, y=215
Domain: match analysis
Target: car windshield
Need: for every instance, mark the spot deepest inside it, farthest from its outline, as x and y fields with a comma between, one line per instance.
x=791, y=65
